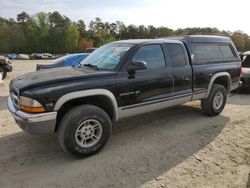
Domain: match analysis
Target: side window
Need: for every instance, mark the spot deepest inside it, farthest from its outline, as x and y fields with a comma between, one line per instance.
x=176, y=55
x=152, y=55
x=226, y=51
x=207, y=51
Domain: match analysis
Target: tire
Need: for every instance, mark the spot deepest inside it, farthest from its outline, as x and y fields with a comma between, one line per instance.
x=3, y=73
x=215, y=102
x=80, y=126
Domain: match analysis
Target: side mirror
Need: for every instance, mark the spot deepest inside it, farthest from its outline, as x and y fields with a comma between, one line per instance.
x=137, y=65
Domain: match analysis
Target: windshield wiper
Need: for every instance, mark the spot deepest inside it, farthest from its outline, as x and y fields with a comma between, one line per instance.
x=91, y=66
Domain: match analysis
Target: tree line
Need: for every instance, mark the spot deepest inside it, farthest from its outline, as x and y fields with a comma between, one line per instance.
x=55, y=33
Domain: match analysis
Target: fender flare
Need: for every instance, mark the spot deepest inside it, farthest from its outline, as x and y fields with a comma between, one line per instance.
x=86, y=93
x=214, y=77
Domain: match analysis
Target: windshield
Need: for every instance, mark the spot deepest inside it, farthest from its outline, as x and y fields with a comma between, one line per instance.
x=107, y=56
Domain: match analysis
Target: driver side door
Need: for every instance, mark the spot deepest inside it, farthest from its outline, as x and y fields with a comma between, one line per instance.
x=145, y=86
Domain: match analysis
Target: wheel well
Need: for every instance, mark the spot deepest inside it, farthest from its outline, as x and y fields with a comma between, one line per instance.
x=223, y=80
x=97, y=100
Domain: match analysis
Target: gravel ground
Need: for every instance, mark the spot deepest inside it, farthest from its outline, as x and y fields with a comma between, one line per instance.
x=174, y=147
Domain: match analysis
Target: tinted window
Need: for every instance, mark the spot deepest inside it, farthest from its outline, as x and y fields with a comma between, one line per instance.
x=226, y=51
x=176, y=55
x=152, y=55
x=207, y=51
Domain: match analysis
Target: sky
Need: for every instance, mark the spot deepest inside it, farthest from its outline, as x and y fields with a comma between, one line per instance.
x=226, y=15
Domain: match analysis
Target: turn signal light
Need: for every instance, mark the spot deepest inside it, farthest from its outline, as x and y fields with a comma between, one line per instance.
x=32, y=109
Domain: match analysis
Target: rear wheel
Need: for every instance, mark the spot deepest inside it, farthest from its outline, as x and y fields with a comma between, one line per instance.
x=84, y=130
x=215, y=102
x=3, y=73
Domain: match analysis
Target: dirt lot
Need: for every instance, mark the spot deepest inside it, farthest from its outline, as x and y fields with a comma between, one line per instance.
x=174, y=147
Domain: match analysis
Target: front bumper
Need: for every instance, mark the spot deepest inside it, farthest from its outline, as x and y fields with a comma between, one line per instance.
x=42, y=123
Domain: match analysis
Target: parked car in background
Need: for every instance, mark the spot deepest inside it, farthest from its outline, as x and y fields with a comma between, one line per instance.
x=5, y=66
x=35, y=56
x=64, y=61
x=42, y=56
x=12, y=56
x=22, y=57
x=245, y=76
x=47, y=56
x=89, y=50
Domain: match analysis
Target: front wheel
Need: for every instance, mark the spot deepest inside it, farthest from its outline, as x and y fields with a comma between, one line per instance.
x=84, y=130
x=215, y=102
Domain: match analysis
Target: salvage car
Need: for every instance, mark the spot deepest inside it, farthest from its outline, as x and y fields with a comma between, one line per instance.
x=65, y=61
x=41, y=56
x=245, y=76
x=12, y=56
x=5, y=66
x=22, y=57
x=123, y=79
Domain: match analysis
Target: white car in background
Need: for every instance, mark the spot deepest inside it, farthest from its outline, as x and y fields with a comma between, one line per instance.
x=22, y=56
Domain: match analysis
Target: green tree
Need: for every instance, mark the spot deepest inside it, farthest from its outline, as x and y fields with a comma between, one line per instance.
x=239, y=41
x=72, y=37
x=56, y=33
x=22, y=17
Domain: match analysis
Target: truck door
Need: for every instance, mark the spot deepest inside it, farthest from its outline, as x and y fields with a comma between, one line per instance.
x=177, y=58
x=149, y=85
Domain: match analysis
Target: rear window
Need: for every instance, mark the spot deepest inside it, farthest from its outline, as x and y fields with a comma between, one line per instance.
x=212, y=51
x=226, y=51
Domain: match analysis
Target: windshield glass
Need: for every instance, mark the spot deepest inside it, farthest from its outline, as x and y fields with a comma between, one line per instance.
x=107, y=56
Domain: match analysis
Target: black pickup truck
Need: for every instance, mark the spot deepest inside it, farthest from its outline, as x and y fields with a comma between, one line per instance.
x=122, y=79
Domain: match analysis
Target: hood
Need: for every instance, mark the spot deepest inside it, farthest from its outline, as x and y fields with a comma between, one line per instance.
x=49, y=76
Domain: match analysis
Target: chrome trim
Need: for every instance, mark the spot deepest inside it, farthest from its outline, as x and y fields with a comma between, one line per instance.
x=217, y=75
x=86, y=93
x=31, y=118
x=127, y=93
x=132, y=110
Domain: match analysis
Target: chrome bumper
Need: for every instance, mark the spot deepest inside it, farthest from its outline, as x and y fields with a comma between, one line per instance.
x=42, y=123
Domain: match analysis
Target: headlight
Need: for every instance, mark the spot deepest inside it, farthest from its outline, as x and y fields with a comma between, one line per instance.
x=30, y=105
